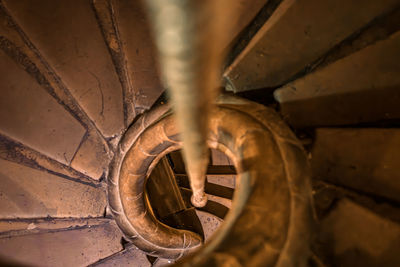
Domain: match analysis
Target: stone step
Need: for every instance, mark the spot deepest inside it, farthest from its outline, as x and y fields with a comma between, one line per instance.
x=93, y=154
x=131, y=256
x=14, y=151
x=19, y=227
x=360, y=88
x=78, y=246
x=242, y=15
x=292, y=38
x=30, y=193
x=140, y=52
x=78, y=54
x=209, y=222
x=365, y=160
x=351, y=235
x=326, y=195
x=106, y=18
x=31, y=116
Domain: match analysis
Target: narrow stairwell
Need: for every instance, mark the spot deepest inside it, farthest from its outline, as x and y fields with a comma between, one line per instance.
x=75, y=75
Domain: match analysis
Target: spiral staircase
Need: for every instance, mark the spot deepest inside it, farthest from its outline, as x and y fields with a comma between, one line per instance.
x=75, y=75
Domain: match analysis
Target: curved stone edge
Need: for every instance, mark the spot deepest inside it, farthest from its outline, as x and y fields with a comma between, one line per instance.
x=297, y=175
x=131, y=136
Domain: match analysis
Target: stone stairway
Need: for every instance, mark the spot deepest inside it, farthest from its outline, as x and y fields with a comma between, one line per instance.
x=74, y=75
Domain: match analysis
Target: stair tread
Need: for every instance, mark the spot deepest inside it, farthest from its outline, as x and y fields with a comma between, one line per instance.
x=19, y=227
x=243, y=13
x=140, y=52
x=367, y=79
x=131, y=256
x=363, y=159
x=75, y=247
x=352, y=234
x=209, y=222
x=30, y=193
x=78, y=54
x=93, y=157
x=14, y=151
x=31, y=116
x=292, y=38
x=372, y=68
x=17, y=47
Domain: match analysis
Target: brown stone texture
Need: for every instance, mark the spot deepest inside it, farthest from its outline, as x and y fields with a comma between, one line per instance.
x=17, y=227
x=297, y=34
x=31, y=116
x=92, y=157
x=140, y=52
x=16, y=45
x=209, y=222
x=355, y=235
x=29, y=193
x=362, y=159
x=244, y=12
x=131, y=256
x=77, y=52
x=105, y=16
x=77, y=247
x=368, y=79
x=223, y=201
x=14, y=151
x=226, y=180
x=159, y=262
x=74, y=75
x=219, y=158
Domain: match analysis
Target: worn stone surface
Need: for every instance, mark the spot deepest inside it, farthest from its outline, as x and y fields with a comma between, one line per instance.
x=379, y=29
x=17, y=227
x=368, y=79
x=93, y=157
x=160, y=262
x=16, y=45
x=51, y=192
x=209, y=222
x=106, y=17
x=354, y=236
x=298, y=33
x=131, y=256
x=326, y=195
x=223, y=201
x=362, y=159
x=223, y=180
x=31, y=116
x=219, y=158
x=27, y=193
x=14, y=151
x=140, y=52
x=78, y=53
x=245, y=11
x=76, y=247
